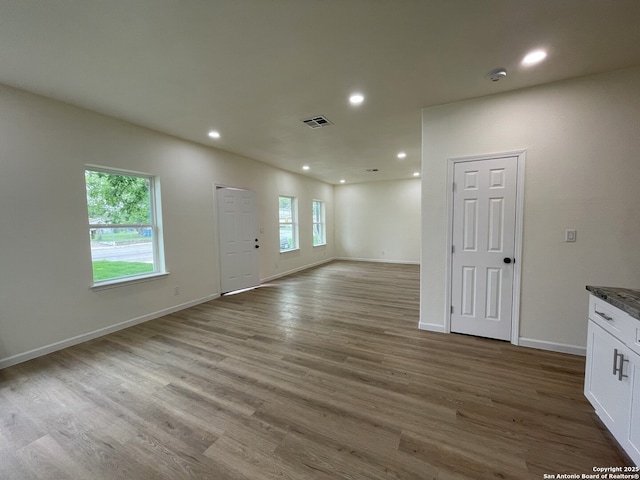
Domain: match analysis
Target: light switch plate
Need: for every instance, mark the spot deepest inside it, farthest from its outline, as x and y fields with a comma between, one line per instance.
x=570, y=235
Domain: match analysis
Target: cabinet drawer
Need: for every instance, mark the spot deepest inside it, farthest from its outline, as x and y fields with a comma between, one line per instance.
x=615, y=321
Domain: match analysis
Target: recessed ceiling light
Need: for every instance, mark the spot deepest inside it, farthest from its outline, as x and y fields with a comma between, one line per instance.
x=214, y=134
x=342, y=181
x=534, y=57
x=416, y=174
x=356, y=99
x=402, y=155
x=305, y=167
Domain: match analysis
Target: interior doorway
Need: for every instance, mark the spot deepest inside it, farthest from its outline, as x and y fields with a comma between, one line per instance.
x=485, y=225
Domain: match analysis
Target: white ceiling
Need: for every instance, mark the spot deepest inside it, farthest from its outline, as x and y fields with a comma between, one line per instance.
x=253, y=69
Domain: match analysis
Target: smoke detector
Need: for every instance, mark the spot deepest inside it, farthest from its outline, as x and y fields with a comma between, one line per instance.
x=497, y=74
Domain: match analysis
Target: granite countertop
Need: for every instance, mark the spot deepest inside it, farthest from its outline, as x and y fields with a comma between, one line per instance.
x=625, y=299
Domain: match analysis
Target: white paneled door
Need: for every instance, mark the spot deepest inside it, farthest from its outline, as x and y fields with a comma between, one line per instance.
x=238, y=234
x=484, y=218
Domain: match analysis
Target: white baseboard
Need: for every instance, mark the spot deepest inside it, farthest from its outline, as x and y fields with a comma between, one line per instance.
x=552, y=346
x=378, y=260
x=524, y=342
x=296, y=270
x=431, y=327
x=39, y=352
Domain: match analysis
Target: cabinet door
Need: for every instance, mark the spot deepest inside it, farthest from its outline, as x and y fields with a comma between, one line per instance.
x=634, y=421
x=606, y=390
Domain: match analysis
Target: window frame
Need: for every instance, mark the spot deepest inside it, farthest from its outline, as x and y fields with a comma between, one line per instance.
x=293, y=223
x=155, y=224
x=322, y=222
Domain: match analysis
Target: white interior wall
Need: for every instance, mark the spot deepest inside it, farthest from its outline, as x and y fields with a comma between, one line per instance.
x=45, y=260
x=582, y=167
x=582, y=171
x=378, y=221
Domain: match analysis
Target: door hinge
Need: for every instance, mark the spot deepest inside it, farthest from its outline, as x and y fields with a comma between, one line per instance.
x=453, y=187
x=451, y=309
x=453, y=249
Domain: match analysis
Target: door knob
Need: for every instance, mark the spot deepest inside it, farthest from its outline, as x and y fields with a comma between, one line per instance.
x=506, y=260
x=257, y=246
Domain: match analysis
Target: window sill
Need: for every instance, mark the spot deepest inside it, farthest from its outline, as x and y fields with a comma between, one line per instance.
x=290, y=250
x=121, y=282
x=320, y=245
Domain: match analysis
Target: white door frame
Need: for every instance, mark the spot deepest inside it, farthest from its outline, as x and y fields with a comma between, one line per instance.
x=216, y=228
x=517, y=267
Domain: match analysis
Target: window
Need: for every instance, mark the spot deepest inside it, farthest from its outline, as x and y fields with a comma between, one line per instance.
x=319, y=224
x=123, y=225
x=288, y=225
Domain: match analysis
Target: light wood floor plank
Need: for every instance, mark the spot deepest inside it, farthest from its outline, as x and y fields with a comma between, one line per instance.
x=319, y=375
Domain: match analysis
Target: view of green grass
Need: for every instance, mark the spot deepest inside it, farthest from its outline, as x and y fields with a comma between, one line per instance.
x=126, y=236
x=105, y=269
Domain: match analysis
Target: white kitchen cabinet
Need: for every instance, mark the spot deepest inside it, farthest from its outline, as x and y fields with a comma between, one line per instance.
x=612, y=379
x=634, y=422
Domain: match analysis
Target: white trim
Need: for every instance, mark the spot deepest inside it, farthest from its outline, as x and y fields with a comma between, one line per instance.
x=327, y=260
x=377, y=260
x=296, y=270
x=69, y=342
x=431, y=327
x=117, y=171
x=120, y=225
x=553, y=346
x=517, y=265
x=517, y=269
x=323, y=222
x=449, y=258
x=123, y=281
x=156, y=225
x=295, y=226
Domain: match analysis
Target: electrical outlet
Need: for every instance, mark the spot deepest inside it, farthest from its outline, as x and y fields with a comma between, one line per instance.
x=176, y=290
x=382, y=253
x=570, y=235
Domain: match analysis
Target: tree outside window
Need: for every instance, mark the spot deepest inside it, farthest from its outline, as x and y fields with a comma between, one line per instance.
x=123, y=226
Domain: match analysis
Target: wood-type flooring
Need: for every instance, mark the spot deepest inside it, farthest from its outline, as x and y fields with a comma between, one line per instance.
x=318, y=375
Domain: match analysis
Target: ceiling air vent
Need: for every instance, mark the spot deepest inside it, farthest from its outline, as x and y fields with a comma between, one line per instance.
x=317, y=122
